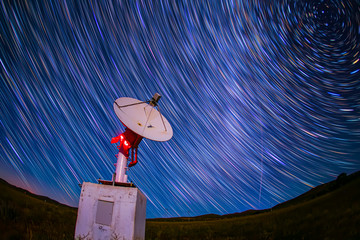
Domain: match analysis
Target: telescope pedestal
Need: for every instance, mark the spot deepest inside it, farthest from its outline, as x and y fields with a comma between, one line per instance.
x=121, y=167
x=110, y=212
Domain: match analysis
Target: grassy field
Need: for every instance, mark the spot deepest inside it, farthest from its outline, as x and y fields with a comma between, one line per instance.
x=329, y=211
x=24, y=215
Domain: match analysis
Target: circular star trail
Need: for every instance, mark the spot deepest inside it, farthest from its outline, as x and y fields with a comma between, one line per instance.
x=263, y=97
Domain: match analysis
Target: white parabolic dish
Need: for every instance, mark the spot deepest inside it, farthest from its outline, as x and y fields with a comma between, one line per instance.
x=143, y=119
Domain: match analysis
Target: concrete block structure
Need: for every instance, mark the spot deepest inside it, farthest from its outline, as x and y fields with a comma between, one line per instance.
x=109, y=212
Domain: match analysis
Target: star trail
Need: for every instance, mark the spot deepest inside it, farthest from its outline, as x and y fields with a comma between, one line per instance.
x=263, y=97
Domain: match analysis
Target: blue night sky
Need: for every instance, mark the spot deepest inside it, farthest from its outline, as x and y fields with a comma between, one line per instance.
x=263, y=97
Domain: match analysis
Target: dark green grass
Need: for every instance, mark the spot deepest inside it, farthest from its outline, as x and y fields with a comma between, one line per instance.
x=330, y=211
x=24, y=215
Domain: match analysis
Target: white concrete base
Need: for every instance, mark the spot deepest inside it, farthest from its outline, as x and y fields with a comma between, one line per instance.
x=110, y=212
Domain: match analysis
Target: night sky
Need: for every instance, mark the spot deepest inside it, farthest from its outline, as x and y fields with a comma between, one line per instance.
x=263, y=97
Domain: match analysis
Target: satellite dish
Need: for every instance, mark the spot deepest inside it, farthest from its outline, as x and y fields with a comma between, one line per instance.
x=143, y=119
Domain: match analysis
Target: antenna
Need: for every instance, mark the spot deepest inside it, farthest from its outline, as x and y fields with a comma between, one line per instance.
x=141, y=120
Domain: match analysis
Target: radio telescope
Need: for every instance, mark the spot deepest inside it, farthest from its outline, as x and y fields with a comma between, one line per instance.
x=141, y=120
x=119, y=210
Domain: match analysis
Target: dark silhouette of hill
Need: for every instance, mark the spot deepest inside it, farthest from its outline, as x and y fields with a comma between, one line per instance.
x=329, y=211
x=320, y=190
x=42, y=198
x=24, y=215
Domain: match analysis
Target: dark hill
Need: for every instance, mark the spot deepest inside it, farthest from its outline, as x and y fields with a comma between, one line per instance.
x=24, y=215
x=329, y=211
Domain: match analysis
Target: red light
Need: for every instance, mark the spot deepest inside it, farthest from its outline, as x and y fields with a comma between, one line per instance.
x=121, y=137
x=126, y=143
